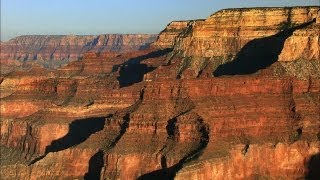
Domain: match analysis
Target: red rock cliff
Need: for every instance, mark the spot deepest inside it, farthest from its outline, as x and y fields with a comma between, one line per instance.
x=148, y=115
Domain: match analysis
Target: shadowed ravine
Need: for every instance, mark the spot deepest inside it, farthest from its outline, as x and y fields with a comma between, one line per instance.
x=170, y=172
x=79, y=131
x=96, y=162
x=132, y=71
x=126, y=119
x=95, y=165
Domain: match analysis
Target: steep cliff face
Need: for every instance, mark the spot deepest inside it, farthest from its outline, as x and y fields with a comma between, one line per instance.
x=266, y=161
x=52, y=51
x=199, y=128
x=286, y=35
x=148, y=115
x=224, y=33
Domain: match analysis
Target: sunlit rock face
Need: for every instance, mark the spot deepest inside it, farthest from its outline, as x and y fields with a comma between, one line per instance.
x=167, y=37
x=260, y=34
x=224, y=33
x=172, y=112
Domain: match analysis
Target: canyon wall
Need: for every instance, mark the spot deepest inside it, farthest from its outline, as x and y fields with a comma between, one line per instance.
x=226, y=32
x=287, y=35
x=148, y=114
x=56, y=50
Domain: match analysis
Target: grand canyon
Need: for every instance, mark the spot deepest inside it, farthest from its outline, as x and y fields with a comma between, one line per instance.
x=233, y=96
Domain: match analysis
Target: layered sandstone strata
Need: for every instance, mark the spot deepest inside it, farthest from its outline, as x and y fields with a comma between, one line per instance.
x=162, y=126
x=148, y=115
x=52, y=51
x=287, y=35
x=226, y=32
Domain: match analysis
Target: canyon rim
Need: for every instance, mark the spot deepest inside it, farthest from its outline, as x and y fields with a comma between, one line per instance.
x=232, y=96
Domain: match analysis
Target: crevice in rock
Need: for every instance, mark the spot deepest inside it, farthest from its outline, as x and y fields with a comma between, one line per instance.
x=124, y=124
x=141, y=96
x=258, y=54
x=79, y=131
x=171, y=127
x=1, y=80
x=292, y=107
x=245, y=149
x=96, y=164
x=170, y=172
x=164, y=162
x=123, y=129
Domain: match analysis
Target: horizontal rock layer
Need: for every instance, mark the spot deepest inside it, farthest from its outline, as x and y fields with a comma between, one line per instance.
x=52, y=51
x=168, y=36
x=224, y=33
x=148, y=115
x=247, y=37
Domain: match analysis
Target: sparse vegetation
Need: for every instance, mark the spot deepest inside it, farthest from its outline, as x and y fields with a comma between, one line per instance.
x=295, y=136
x=10, y=156
x=285, y=25
x=186, y=62
x=90, y=102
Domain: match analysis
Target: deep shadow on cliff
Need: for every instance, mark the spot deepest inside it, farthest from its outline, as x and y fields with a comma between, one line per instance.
x=258, y=53
x=314, y=167
x=132, y=71
x=79, y=131
x=96, y=164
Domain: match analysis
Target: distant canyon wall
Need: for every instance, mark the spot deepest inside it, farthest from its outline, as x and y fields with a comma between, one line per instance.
x=159, y=114
x=65, y=48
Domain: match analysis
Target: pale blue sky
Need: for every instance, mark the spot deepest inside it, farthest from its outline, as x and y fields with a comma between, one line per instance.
x=24, y=17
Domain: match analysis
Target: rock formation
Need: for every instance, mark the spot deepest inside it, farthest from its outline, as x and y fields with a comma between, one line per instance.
x=235, y=34
x=54, y=51
x=168, y=36
x=159, y=113
x=226, y=32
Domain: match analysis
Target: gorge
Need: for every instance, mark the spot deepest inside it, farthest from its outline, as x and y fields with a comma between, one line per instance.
x=233, y=96
x=54, y=51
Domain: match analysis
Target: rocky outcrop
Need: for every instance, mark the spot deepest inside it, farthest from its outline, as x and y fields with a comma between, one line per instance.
x=167, y=37
x=148, y=115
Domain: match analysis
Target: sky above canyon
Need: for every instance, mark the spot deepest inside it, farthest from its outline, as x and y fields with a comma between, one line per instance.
x=26, y=17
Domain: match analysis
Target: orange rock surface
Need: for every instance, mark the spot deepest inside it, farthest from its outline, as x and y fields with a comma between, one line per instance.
x=168, y=36
x=160, y=113
x=57, y=50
